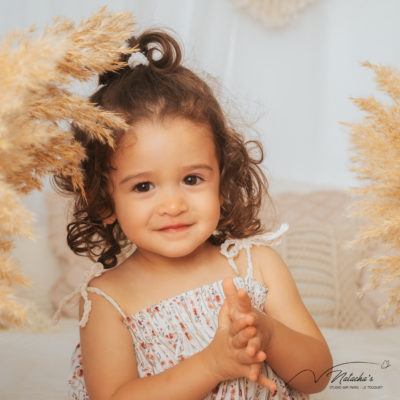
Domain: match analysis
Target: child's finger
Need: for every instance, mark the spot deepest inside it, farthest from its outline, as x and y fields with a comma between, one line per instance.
x=242, y=338
x=253, y=346
x=230, y=292
x=267, y=383
x=244, y=302
x=223, y=317
x=260, y=356
x=254, y=373
x=244, y=358
x=240, y=323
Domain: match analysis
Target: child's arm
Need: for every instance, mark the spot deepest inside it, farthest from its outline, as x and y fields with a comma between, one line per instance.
x=287, y=333
x=110, y=369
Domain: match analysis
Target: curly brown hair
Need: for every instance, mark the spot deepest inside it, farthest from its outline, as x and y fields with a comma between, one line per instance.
x=162, y=88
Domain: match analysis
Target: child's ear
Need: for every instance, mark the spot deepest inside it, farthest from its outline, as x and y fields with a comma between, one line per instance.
x=110, y=219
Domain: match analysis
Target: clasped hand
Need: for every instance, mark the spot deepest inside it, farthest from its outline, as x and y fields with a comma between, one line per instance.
x=241, y=338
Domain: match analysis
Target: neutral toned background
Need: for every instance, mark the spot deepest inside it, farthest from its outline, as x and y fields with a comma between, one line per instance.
x=293, y=81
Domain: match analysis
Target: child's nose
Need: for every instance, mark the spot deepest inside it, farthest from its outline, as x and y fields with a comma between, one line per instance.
x=173, y=203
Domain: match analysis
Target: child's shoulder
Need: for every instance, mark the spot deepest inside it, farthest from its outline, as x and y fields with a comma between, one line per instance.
x=268, y=265
x=265, y=253
x=106, y=279
x=266, y=262
x=117, y=283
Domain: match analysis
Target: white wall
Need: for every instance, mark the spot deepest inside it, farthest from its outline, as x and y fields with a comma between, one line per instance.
x=294, y=82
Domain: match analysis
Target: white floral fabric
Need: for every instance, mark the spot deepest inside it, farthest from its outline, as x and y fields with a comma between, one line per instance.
x=174, y=329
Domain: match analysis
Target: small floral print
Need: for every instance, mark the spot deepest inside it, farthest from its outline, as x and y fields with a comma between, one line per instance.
x=173, y=330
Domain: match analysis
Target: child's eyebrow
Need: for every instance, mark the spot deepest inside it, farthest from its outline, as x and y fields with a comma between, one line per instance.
x=198, y=166
x=134, y=176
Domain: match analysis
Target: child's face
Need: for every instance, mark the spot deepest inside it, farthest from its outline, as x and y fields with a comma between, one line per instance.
x=166, y=186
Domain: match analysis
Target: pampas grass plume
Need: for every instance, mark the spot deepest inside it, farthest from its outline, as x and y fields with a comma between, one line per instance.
x=375, y=145
x=35, y=106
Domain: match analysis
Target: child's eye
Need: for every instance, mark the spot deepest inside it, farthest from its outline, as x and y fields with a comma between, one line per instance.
x=143, y=187
x=192, y=180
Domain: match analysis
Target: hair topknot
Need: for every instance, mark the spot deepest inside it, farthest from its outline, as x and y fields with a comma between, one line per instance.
x=163, y=88
x=161, y=50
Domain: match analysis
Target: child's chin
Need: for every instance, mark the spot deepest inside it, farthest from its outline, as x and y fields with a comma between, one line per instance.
x=178, y=250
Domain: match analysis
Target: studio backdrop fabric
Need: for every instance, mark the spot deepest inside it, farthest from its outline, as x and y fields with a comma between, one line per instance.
x=292, y=82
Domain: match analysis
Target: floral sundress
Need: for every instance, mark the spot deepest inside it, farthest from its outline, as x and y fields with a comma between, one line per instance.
x=174, y=329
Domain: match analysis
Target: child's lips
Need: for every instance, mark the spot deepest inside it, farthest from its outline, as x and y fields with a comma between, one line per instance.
x=175, y=228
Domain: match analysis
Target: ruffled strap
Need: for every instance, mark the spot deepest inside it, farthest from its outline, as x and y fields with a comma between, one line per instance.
x=231, y=247
x=96, y=270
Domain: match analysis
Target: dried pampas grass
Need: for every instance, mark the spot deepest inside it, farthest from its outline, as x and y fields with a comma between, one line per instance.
x=35, y=106
x=376, y=162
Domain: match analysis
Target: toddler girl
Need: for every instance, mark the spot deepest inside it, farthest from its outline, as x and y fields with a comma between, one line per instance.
x=196, y=311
